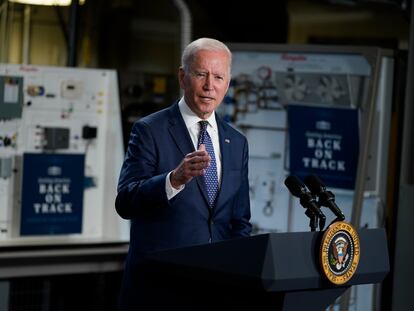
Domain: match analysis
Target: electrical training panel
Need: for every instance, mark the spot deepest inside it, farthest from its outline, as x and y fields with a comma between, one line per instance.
x=269, y=81
x=61, y=150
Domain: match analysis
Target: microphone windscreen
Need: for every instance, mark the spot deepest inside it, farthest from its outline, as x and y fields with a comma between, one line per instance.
x=295, y=185
x=314, y=184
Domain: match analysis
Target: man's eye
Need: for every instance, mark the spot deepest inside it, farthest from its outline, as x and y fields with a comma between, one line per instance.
x=219, y=78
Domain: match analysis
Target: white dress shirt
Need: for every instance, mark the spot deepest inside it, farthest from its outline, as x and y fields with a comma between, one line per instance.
x=191, y=122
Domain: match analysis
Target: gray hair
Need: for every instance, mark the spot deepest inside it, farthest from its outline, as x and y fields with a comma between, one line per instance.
x=199, y=45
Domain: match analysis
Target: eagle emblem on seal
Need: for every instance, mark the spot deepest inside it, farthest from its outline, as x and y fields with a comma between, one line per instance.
x=339, y=248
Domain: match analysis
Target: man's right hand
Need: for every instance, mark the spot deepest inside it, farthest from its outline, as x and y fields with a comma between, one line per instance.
x=193, y=164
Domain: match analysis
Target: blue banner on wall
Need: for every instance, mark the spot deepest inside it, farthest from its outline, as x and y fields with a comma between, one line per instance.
x=325, y=142
x=52, y=194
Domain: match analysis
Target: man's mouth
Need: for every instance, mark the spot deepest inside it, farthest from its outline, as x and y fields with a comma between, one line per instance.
x=206, y=98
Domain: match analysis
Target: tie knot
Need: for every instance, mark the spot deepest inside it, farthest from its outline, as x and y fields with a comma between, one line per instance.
x=203, y=125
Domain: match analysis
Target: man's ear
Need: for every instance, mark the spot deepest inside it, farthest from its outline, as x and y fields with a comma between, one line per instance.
x=228, y=84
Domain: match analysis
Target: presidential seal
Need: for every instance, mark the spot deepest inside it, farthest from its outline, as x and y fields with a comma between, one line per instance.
x=339, y=252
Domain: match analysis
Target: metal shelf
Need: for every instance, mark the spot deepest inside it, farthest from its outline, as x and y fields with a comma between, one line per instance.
x=56, y=259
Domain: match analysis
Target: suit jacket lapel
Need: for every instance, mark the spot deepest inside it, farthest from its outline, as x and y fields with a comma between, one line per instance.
x=179, y=131
x=181, y=137
x=225, y=144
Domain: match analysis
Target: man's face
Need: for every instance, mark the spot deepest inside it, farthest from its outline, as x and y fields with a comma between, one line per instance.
x=207, y=82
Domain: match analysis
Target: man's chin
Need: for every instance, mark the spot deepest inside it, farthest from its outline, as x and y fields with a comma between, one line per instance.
x=207, y=110
x=206, y=114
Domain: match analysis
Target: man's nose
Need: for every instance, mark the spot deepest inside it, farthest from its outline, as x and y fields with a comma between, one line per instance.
x=208, y=82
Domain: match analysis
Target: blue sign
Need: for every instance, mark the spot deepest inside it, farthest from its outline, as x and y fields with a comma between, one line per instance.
x=324, y=142
x=52, y=194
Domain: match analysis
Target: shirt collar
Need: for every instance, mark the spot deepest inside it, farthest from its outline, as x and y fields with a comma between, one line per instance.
x=191, y=119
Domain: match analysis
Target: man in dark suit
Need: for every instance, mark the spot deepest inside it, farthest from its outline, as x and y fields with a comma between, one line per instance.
x=184, y=180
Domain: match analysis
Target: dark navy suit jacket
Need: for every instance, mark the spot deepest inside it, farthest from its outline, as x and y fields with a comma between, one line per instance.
x=157, y=145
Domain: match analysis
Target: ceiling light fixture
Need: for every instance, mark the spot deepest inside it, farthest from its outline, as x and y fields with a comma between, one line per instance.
x=47, y=2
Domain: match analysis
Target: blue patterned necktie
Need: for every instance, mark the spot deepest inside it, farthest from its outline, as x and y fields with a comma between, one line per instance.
x=210, y=176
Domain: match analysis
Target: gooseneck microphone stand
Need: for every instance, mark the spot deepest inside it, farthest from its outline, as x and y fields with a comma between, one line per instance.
x=313, y=219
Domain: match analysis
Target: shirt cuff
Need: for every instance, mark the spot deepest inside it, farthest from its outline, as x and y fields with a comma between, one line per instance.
x=169, y=189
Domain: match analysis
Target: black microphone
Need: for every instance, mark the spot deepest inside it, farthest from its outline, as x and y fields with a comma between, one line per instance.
x=326, y=198
x=298, y=189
